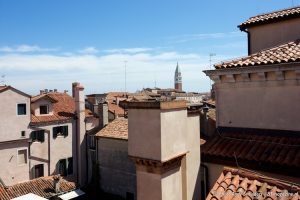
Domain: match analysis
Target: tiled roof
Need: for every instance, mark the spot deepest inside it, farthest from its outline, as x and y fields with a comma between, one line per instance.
x=116, y=129
x=112, y=107
x=237, y=184
x=63, y=109
x=38, y=97
x=89, y=113
x=255, y=148
x=41, y=186
x=271, y=17
x=285, y=53
x=3, y=87
x=112, y=95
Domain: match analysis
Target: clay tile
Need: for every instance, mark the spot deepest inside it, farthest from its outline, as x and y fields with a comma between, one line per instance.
x=262, y=191
x=295, y=196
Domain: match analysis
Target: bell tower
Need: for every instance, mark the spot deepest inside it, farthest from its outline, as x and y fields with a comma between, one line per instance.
x=178, y=78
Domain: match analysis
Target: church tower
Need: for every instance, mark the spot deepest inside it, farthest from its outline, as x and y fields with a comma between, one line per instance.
x=178, y=79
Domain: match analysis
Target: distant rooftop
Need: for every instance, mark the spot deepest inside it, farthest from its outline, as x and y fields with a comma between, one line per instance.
x=117, y=129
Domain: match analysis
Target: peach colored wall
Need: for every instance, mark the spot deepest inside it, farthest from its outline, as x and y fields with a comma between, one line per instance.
x=144, y=125
x=145, y=181
x=11, y=172
x=265, y=104
x=60, y=148
x=91, y=123
x=11, y=123
x=269, y=35
x=193, y=158
x=35, y=107
x=172, y=184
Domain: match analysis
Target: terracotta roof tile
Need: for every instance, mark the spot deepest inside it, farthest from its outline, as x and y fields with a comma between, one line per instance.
x=3, y=87
x=115, y=129
x=234, y=184
x=255, y=147
x=116, y=109
x=41, y=186
x=63, y=108
x=271, y=17
x=285, y=53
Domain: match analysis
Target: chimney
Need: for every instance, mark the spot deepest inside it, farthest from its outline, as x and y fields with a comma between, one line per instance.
x=42, y=91
x=163, y=141
x=103, y=114
x=74, y=85
x=65, y=91
x=46, y=90
x=50, y=90
x=56, y=183
x=78, y=93
x=55, y=90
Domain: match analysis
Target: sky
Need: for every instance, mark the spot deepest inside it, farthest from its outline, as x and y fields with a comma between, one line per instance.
x=52, y=43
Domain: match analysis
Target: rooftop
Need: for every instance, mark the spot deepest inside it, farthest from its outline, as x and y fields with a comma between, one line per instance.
x=285, y=53
x=43, y=187
x=63, y=108
x=271, y=17
x=278, y=151
x=117, y=129
x=242, y=184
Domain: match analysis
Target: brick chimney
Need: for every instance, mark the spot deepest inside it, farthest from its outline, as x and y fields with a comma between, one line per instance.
x=164, y=142
x=103, y=114
x=78, y=93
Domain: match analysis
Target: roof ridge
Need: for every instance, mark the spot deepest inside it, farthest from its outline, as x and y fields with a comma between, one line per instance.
x=275, y=11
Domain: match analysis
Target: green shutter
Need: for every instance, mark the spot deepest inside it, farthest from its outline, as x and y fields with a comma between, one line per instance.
x=42, y=136
x=66, y=131
x=55, y=132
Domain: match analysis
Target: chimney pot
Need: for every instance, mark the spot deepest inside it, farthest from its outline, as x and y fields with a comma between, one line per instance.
x=46, y=90
x=41, y=91
x=56, y=183
x=55, y=90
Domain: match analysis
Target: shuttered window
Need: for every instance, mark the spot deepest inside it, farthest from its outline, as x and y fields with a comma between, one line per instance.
x=60, y=131
x=38, y=136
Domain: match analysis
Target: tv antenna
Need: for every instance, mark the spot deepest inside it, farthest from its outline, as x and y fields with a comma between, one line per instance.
x=3, y=79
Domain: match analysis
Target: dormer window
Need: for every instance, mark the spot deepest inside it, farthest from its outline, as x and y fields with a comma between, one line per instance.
x=44, y=109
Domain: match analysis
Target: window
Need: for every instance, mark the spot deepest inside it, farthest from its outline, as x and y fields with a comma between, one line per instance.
x=92, y=142
x=129, y=196
x=21, y=109
x=70, y=165
x=62, y=167
x=65, y=166
x=38, y=171
x=38, y=136
x=60, y=131
x=22, y=133
x=44, y=110
x=22, y=157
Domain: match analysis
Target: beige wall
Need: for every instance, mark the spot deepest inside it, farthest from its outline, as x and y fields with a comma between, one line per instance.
x=163, y=135
x=144, y=128
x=11, y=172
x=117, y=170
x=259, y=104
x=11, y=123
x=35, y=107
x=60, y=148
x=269, y=35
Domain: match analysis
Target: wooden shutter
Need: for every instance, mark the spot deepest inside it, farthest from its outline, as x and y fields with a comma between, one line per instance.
x=55, y=129
x=65, y=130
x=42, y=136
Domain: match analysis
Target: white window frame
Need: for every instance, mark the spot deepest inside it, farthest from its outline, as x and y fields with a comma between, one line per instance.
x=18, y=156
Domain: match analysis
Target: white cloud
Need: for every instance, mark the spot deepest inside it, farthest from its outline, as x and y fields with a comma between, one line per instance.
x=128, y=50
x=204, y=36
x=25, y=49
x=89, y=50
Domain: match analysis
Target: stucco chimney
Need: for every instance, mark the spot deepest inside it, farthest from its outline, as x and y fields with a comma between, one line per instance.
x=78, y=92
x=164, y=142
x=74, y=85
x=103, y=114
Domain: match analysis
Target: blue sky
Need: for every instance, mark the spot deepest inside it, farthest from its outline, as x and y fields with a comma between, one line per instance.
x=52, y=43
